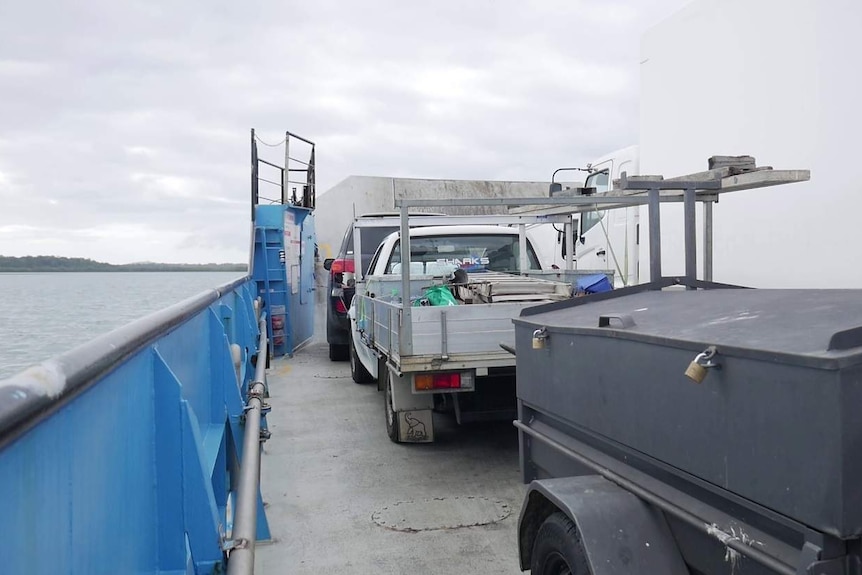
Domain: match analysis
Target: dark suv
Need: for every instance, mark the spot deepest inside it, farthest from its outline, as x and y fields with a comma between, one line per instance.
x=340, y=295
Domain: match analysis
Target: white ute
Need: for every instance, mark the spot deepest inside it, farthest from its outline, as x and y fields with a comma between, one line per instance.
x=446, y=351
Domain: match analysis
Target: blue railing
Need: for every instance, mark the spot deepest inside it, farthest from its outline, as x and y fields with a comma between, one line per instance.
x=124, y=454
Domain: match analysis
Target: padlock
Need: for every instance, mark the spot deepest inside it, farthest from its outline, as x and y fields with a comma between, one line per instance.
x=539, y=337
x=695, y=372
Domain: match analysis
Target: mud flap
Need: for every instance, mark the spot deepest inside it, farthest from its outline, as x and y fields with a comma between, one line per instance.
x=416, y=426
x=413, y=411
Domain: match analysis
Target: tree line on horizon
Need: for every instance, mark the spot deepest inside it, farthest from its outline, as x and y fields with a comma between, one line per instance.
x=62, y=264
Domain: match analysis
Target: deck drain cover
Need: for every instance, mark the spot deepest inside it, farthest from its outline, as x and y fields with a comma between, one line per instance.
x=441, y=513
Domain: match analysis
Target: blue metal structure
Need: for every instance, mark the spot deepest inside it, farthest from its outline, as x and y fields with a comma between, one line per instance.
x=283, y=268
x=123, y=454
x=285, y=248
x=135, y=451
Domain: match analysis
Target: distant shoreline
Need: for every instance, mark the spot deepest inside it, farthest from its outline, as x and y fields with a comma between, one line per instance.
x=37, y=264
x=120, y=270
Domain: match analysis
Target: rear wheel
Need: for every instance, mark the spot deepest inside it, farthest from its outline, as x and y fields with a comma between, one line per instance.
x=337, y=352
x=391, y=414
x=557, y=549
x=357, y=370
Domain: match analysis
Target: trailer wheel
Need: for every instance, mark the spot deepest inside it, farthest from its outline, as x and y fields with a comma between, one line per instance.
x=391, y=415
x=357, y=370
x=557, y=549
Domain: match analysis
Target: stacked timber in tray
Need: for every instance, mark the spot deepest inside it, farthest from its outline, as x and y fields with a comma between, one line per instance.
x=496, y=287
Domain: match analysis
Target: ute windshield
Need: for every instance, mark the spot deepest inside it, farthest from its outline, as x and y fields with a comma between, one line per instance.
x=441, y=255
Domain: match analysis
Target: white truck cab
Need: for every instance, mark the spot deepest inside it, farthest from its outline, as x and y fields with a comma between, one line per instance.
x=605, y=239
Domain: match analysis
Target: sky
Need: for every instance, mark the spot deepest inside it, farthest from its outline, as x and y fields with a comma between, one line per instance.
x=124, y=126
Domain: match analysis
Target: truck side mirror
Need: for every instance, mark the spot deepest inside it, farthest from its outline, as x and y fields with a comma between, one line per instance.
x=327, y=263
x=583, y=240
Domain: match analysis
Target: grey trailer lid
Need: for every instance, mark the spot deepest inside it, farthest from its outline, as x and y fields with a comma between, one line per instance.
x=817, y=328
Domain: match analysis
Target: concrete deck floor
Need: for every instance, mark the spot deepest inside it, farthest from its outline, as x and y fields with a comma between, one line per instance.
x=329, y=467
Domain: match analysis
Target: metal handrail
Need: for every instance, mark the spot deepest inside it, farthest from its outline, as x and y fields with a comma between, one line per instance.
x=276, y=166
x=300, y=138
x=24, y=402
x=241, y=558
x=279, y=184
x=308, y=197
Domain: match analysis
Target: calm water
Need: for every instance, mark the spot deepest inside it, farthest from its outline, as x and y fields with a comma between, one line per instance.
x=44, y=314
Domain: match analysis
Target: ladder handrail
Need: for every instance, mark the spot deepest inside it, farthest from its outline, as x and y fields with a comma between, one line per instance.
x=309, y=189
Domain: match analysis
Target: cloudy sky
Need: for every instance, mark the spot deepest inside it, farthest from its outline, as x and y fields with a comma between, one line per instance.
x=124, y=126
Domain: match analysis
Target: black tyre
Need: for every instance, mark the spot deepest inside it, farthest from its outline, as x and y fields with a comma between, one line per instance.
x=357, y=370
x=382, y=368
x=391, y=415
x=557, y=549
x=337, y=352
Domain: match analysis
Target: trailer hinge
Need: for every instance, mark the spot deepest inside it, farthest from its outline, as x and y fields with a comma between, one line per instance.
x=264, y=435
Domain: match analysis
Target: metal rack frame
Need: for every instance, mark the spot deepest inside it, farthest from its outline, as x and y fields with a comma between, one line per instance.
x=652, y=191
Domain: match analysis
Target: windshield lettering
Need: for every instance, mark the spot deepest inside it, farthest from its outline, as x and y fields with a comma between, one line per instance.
x=463, y=262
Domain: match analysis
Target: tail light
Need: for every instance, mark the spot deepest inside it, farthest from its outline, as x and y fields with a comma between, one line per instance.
x=338, y=269
x=462, y=380
x=342, y=265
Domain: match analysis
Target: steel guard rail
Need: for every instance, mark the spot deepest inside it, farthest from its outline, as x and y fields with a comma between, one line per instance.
x=124, y=454
x=241, y=559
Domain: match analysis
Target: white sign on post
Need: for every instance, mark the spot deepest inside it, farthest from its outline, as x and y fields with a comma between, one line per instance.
x=292, y=248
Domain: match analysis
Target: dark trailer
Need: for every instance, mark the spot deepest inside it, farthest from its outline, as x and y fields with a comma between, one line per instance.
x=685, y=426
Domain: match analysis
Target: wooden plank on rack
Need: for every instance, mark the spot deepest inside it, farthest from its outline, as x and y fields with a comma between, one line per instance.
x=730, y=182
